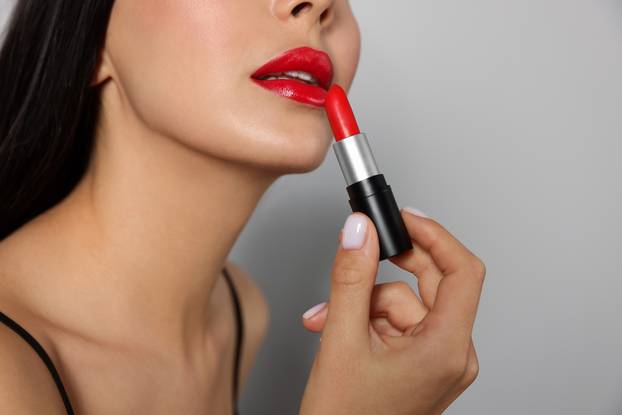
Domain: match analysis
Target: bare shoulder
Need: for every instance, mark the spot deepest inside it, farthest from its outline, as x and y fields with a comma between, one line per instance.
x=26, y=385
x=255, y=311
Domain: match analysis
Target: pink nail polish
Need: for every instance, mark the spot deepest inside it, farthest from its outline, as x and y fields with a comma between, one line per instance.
x=314, y=310
x=354, y=232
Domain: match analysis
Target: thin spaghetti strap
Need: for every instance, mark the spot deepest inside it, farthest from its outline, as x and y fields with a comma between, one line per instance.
x=239, y=337
x=27, y=337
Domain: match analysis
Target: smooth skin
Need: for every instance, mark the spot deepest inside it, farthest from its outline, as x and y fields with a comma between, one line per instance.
x=384, y=350
x=121, y=282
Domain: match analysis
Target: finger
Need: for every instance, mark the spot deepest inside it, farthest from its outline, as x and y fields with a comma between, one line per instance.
x=449, y=254
x=399, y=304
x=352, y=281
x=392, y=303
x=314, y=320
x=420, y=263
x=383, y=327
x=459, y=290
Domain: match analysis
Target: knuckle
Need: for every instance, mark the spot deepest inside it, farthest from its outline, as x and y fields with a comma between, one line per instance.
x=479, y=268
x=471, y=372
x=434, y=235
x=456, y=362
x=454, y=369
x=348, y=273
x=424, y=266
x=398, y=288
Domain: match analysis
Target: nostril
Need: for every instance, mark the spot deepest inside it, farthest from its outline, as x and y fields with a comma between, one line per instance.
x=300, y=7
x=324, y=15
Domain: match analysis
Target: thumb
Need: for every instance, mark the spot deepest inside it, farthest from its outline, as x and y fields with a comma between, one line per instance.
x=352, y=281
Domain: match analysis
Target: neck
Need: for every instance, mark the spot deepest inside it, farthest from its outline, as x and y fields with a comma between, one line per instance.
x=152, y=223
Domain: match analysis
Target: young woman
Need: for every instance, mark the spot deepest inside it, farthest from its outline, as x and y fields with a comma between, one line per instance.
x=136, y=139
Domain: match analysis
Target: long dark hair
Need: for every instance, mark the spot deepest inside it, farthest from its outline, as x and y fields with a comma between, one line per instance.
x=48, y=111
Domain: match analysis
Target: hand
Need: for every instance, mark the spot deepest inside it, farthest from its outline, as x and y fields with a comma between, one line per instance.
x=383, y=350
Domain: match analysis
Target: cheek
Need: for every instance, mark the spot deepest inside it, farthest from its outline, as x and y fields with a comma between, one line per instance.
x=184, y=69
x=345, y=44
x=173, y=60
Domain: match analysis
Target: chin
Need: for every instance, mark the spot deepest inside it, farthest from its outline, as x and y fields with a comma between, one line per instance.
x=280, y=142
x=303, y=162
x=265, y=132
x=303, y=151
x=302, y=155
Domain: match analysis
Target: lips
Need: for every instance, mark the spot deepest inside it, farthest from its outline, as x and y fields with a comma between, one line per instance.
x=302, y=74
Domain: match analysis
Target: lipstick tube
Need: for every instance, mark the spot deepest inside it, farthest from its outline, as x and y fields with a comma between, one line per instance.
x=367, y=188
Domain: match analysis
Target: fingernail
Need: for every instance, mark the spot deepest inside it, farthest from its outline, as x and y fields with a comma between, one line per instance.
x=354, y=232
x=314, y=310
x=415, y=212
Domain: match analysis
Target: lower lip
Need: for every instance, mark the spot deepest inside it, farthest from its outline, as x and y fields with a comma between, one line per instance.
x=295, y=90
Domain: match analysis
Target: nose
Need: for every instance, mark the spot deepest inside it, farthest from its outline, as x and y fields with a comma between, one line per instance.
x=311, y=12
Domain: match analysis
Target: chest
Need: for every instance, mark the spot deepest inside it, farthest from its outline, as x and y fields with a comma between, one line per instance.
x=124, y=383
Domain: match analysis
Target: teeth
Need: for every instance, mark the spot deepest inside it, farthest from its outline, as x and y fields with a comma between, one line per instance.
x=270, y=78
x=303, y=76
x=300, y=75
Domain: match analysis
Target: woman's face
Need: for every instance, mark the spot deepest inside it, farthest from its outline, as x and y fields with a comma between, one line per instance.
x=185, y=66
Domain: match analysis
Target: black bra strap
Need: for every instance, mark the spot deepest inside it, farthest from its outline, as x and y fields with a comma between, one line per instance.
x=28, y=338
x=240, y=332
x=13, y=325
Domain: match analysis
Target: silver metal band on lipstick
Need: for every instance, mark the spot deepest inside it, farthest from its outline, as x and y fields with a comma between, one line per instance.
x=355, y=158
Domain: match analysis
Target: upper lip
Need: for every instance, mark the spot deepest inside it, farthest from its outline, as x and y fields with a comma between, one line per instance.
x=303, y=59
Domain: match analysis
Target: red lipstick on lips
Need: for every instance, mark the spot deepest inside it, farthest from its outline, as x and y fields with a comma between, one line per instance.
x=305, y=73
x=367, y=188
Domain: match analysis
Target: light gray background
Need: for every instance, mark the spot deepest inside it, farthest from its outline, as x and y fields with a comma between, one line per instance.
x=503, y=120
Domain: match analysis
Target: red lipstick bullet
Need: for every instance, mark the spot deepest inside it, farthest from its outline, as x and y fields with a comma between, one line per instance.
x=367, y=188
x=340, y=114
